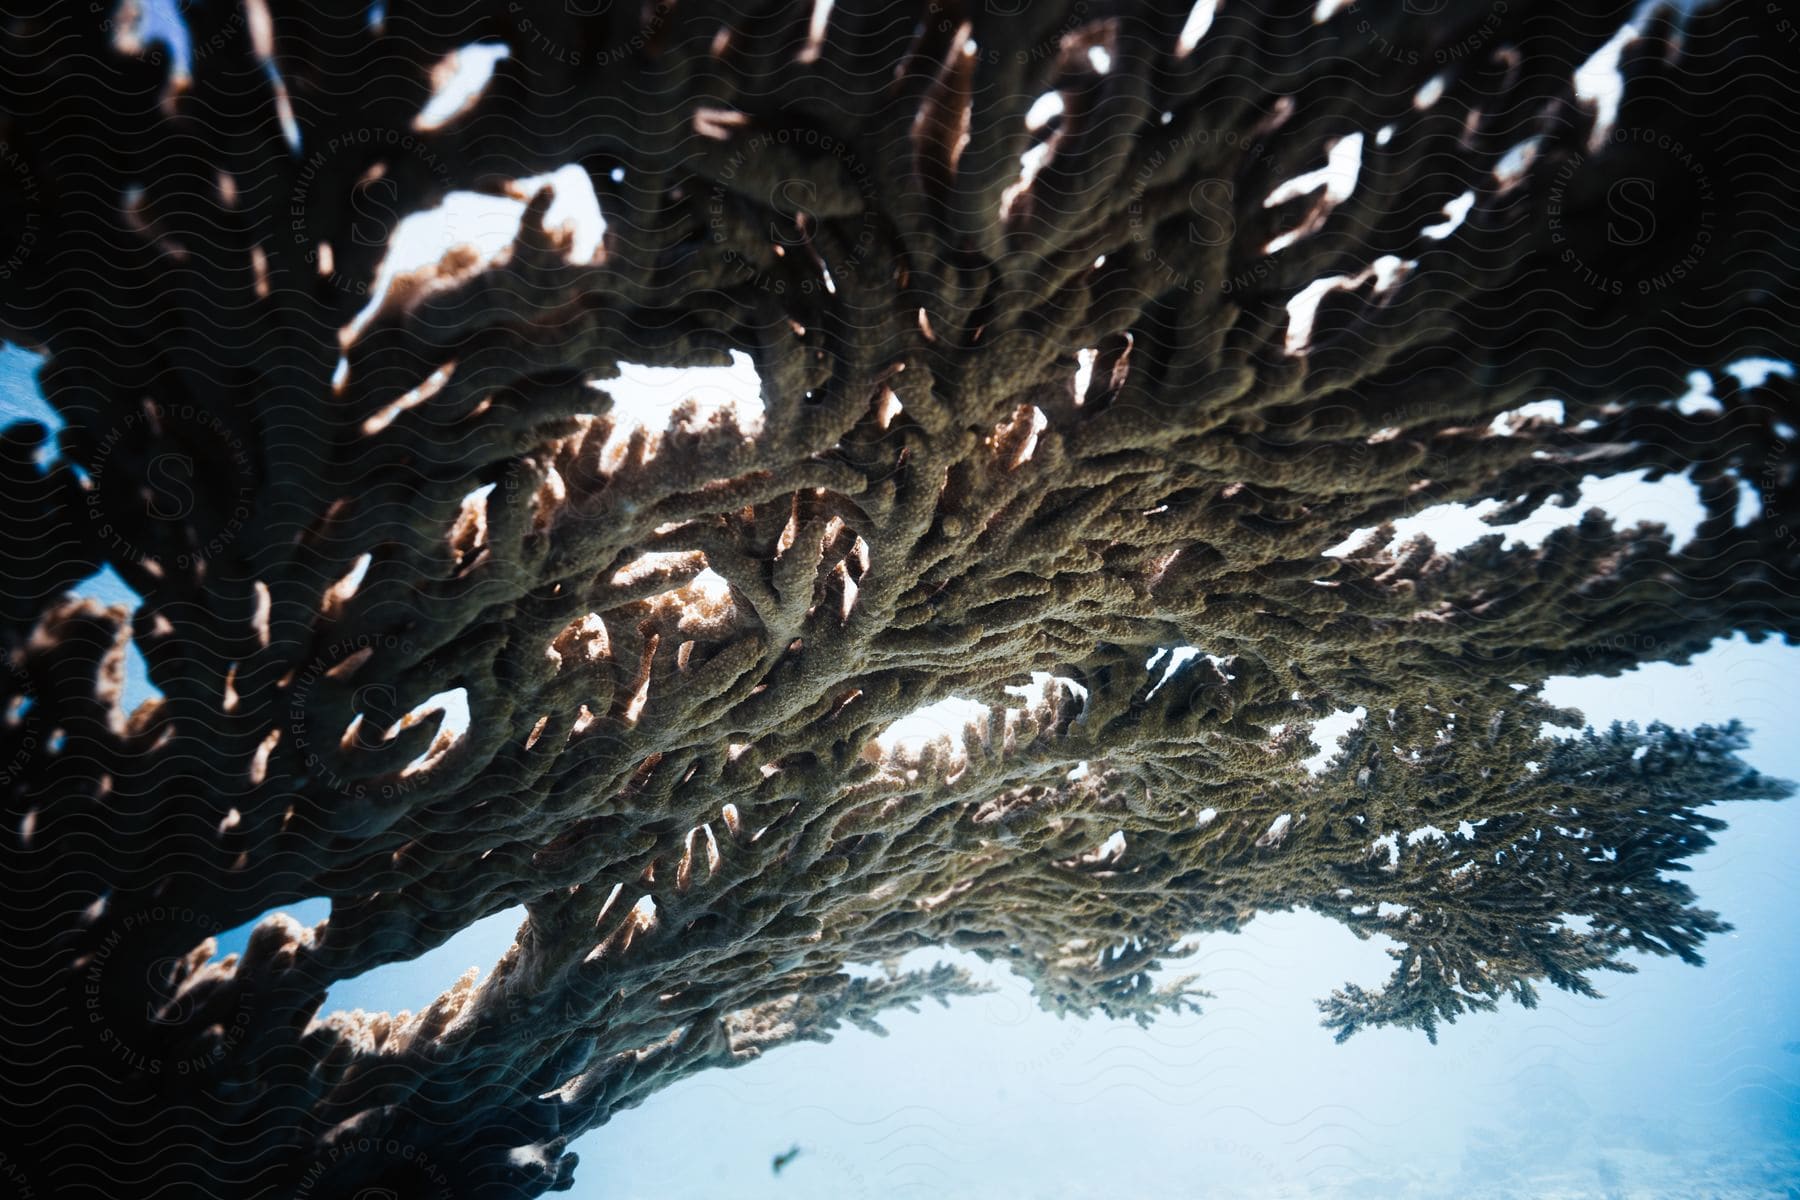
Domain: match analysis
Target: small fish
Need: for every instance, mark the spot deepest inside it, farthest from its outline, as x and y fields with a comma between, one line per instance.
x=783, y=1159
x=1791, y=1047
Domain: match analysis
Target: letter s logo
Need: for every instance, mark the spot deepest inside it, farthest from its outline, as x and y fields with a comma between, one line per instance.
x=177, y=1011
x=1633, y=202
x=791, y=197
x=1214, y=224
x=374, y=210
x=170, y=481
x=373, y=698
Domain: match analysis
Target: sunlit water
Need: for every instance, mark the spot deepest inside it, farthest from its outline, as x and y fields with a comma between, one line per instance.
x=1681, y=1082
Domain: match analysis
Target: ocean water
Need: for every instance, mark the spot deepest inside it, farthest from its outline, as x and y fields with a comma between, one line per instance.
x=1680, y=1082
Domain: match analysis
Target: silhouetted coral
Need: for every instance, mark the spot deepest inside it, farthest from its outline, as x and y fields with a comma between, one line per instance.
x=1042, y=395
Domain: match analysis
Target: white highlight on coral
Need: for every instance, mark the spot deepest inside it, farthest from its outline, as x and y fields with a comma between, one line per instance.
x=1084, y=371
x=455, y=706
x=480, y=229
x=1329, y=734
x=1030, y=163
x=1303, y=309
x=1512, y=420
x=1199, y=21
x=1455, y=213
x=459, y=80
x=1043, y=110
x=815, y=33
x=1628, y=498
x=945, y=719
x=1515, y=162
x=1699, y=398
x=432, y=385
x=647, y=398
x=1754, y=372
x=1176, y=657
x=1749, y=504
x=1599, y=83
x=344, y=590
x=1343, y=163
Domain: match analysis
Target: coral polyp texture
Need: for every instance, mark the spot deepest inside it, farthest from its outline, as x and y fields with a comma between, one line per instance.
x=1097, y=348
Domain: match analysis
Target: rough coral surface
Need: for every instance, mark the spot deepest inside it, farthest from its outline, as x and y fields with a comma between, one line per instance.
x=1054, y=394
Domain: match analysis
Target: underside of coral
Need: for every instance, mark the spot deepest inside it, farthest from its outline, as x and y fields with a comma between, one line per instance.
x=1097, y=346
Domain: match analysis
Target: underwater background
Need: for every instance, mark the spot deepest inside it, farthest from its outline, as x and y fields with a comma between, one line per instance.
x=1681, y=1082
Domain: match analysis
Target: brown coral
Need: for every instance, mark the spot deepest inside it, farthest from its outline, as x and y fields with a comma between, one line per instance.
x=1034, y=400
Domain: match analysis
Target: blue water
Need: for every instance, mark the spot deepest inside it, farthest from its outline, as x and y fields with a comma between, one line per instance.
x=1681, y=1082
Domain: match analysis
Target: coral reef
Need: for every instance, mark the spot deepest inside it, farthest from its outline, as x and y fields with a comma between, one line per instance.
x=1041, y=394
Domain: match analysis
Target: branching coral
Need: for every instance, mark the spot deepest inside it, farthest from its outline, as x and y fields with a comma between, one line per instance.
x=1040, y=394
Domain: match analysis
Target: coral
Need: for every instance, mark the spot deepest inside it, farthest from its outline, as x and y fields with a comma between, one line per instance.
x=1039, y=396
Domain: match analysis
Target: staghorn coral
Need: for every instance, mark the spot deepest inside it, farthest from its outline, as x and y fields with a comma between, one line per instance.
x=1037, y=396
